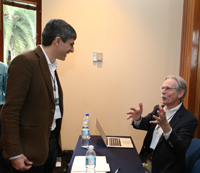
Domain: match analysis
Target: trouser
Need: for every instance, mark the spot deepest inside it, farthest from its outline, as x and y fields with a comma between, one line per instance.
x=49, y=165
x=5, y=165
x=147, y=166
x=146, y=159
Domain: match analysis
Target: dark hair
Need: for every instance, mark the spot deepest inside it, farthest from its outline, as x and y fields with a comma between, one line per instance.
x=55, y=28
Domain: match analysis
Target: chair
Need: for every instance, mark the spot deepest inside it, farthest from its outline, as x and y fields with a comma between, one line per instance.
x=196, y=168
x=192, y=154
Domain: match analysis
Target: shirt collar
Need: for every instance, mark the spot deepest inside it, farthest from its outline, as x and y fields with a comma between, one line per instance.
x=52, y=65
x=172, y=111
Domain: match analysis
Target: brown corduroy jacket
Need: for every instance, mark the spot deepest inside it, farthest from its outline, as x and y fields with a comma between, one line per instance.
x=29, y=109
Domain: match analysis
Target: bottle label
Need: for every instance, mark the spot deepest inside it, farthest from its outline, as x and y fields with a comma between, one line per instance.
x=85, y=132
x=90, y=161
x=94, y=161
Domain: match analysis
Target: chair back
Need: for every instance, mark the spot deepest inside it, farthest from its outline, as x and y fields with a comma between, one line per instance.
x=196, y=168
x=192, y=154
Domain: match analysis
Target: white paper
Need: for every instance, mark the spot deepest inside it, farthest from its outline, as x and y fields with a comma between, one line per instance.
x=79, y=165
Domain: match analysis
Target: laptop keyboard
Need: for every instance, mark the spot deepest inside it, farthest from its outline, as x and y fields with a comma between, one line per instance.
x=114, y=142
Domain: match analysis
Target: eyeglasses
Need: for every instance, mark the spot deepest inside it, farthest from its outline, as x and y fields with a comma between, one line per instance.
x=166, y=88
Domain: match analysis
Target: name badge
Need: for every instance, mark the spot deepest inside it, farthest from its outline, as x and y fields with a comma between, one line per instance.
x=56, y=101
x=57, y=110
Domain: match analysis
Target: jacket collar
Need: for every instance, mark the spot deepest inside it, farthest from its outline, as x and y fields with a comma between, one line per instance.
x=45, y=70
x=177, y=116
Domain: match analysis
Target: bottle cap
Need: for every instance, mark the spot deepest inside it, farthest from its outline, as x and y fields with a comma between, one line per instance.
x=87, y=114
x=91, y=147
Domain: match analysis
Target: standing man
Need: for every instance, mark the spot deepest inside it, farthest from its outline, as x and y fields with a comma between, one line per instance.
x=170, y=129
x=32, y=114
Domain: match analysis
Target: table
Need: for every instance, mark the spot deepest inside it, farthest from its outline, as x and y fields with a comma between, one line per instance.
x=126, y=158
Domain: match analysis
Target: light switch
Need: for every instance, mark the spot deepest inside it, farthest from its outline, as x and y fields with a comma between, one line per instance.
x=99, y=57
x=94, y=56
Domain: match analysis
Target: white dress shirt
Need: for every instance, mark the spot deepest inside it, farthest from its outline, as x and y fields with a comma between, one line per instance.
x=52, y=68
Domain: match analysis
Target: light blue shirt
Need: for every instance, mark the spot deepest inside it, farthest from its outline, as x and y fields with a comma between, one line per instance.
x=3, y=78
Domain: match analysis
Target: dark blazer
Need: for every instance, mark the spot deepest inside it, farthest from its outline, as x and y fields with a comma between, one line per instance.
x=169, y=155
x=28, y=112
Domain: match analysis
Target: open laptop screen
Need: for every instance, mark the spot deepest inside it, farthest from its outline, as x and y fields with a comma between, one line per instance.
x=100, y=131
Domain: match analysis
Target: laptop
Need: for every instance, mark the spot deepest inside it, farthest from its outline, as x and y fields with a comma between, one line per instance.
x=113, y=141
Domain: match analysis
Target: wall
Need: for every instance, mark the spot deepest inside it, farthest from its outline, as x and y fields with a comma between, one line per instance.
x=140, y=41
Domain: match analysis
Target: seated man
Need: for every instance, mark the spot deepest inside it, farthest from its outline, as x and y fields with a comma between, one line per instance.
x=170, y=128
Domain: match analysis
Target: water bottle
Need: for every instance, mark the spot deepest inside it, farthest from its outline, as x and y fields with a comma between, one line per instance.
x=90, y=160
x=87, y=119
x=85, y=135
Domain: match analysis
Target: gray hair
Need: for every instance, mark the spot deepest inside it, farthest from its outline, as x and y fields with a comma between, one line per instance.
x=181, y=84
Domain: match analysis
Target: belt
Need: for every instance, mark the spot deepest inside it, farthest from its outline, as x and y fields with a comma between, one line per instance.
x=1, y=106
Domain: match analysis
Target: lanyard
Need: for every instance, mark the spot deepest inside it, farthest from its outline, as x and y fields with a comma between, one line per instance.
x=54, y=83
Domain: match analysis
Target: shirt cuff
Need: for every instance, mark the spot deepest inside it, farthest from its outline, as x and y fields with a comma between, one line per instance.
x=137, y=123
x=15, y=157
x=166, y=135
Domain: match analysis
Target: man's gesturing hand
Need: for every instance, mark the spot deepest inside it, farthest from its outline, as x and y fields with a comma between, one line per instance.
x=161, y=120
x=135, y=114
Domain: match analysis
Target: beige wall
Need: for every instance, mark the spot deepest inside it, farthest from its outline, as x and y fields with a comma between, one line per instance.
x=140, y=41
